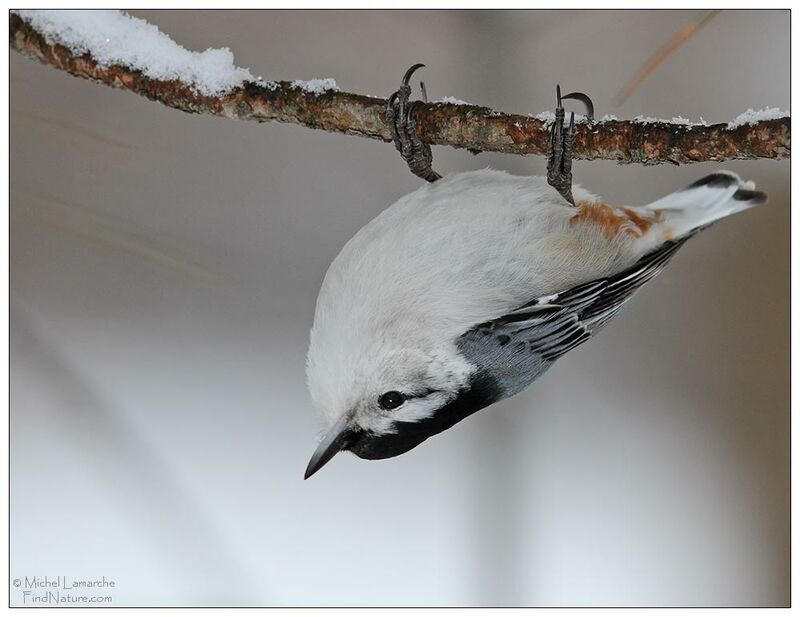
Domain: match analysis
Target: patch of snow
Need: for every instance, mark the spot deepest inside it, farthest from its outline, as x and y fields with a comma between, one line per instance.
x=113, y=37
x=748, y=117
x=646, y=120
x=753, y=117
x=316, y=86
x=452, y=100
x=677, y=120
x=548, y=117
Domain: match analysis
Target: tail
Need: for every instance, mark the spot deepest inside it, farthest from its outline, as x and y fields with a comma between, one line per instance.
x=705, y=201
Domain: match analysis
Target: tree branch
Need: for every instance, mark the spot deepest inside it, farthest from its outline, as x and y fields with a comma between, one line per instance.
x=460, y=126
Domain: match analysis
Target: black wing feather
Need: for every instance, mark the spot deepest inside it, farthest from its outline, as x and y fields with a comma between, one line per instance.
x=552, y=325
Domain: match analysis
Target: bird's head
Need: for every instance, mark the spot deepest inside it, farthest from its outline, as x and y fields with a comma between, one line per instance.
x=381, y=400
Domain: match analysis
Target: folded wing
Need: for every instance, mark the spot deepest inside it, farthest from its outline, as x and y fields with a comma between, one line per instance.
x=517, y=347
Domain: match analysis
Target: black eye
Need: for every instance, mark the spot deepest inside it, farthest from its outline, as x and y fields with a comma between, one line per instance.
x=391, y=400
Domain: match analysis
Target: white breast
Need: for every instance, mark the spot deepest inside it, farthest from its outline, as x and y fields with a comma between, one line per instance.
x=470, y=247
x=462, y=250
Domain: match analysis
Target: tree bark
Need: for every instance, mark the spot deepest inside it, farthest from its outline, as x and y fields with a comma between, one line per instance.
x=460, y=126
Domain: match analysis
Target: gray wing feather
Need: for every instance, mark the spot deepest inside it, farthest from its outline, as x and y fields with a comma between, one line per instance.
x=519, y=346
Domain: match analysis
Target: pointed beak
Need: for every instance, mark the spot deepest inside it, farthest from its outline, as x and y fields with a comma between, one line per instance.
x=333, y=442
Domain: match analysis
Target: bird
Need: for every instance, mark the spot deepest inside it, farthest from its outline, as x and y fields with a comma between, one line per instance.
x=465, y=291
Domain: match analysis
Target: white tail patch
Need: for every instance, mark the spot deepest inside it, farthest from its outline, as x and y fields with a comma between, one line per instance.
x=705, y=201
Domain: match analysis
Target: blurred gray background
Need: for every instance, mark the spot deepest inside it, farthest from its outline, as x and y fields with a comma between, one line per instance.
x=164, y=269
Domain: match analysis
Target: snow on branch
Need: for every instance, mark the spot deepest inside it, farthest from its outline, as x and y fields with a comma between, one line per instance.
x=117, y=50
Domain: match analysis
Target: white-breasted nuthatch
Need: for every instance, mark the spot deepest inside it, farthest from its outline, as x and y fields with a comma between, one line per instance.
x=465, y=291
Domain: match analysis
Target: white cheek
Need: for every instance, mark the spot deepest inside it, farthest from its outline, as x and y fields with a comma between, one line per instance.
x=382, y=422
x=414, y=410
x=375, y=423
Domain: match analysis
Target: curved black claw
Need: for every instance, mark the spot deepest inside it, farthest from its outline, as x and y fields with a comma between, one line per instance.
x=410, y=72
x=414, y=151
x=583, y=98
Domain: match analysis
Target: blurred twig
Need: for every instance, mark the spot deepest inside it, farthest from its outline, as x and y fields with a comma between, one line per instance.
x=459, y=126
x=106, y=231
x=678, y=39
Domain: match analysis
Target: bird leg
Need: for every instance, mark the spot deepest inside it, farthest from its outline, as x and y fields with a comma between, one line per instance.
x=559, y=149
x=414, y=151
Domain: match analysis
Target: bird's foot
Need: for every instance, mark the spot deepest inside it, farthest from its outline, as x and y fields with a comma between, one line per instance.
x=414, y=151
x=559, y=150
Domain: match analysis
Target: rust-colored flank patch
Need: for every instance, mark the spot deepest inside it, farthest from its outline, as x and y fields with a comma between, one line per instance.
x=613, y=220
